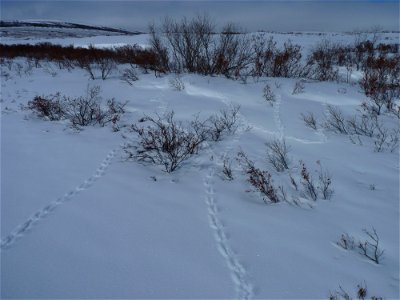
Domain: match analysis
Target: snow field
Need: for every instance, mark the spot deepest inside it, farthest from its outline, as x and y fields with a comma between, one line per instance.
x=80, y=221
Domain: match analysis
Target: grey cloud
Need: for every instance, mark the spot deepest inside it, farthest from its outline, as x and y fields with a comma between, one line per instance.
x=251, y=15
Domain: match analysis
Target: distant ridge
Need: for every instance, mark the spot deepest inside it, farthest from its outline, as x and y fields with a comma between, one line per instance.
x=59, y=24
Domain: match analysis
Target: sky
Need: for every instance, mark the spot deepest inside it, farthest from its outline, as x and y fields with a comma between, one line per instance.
x=314, y=15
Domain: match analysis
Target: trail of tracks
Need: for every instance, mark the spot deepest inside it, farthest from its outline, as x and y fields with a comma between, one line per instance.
x=23, y=228
x=239, y=276
x=244, y=289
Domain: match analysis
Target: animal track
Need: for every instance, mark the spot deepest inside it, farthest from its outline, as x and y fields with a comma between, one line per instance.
x=244, y=289
x=277, y=116
x=23, y=228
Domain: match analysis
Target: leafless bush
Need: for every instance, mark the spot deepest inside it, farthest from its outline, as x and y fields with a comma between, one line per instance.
x=176, y=83
x=380, y=82
x=159, y=48
x=84, y=111
x=194, y=47
x=298, y=87
x=364, y=125
x=8, y=63
x=346, y=242
x=293, y=183
x=48, y=67
x=309, y=188
x=278, y=154
x=309, y=120
x=28, y=67
x=81, y=111
x=385, y=139
x=86, y=64
x=49, y=107
x=324, y=183
x=361, y=293
x=273, y=62
x=106, y=66
x=227, y=169
x=190, y=42
x=224, y=122
x=335, y=120
x=165, y=142
x=260, y=180
x=113, y=113
x=321, y=64
x=129, y=75
x=18, y=67
x=370, y=248
x=269, y=95
x=232, y=55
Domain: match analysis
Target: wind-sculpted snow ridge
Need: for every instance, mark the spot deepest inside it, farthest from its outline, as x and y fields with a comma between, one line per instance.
x=23, y=228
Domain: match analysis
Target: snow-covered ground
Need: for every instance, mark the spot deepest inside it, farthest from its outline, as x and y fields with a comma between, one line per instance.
x=79, y=220
x=84, y=38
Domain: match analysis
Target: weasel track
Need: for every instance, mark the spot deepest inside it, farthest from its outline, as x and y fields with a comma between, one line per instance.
x=23, y=228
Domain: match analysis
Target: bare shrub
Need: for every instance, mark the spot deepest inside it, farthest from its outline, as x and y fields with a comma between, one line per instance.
x=159, y=48
x=335, y=121
x=165, y=141
x=106, y=66
x=192, y=45
x=346, y=242
x=324, y=183
x=232, y=54
x=385, y=139
x=81, y=111
x=364, y=125
x=86, y=63
x=113, y=113
x=293, y=183
x=370, y=248
x=361, y=293
x=49, y=107
x=269, y=95
x=287, y=62
x=278, y=154
x=224, y=122
x=260, y=180
x=309, y=120
x=84, y=111
x=190, y=42
x=227, y=169
x=176, y=83
x=129, y=75
x=299, y=87
x=321, y=64
x=380, y=82
x=309, y=188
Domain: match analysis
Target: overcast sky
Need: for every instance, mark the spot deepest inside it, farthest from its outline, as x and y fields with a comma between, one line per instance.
x=319, y=15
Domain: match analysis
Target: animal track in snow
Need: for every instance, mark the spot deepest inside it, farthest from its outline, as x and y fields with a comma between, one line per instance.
x=244, y=289
x=277, y=116
x=239, y=276
x=23, y=228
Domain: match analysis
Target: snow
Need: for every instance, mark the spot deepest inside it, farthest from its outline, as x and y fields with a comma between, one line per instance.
x=79, y=220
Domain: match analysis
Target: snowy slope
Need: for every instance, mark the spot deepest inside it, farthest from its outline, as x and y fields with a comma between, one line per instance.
x=28, y=30
x=78, y=220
